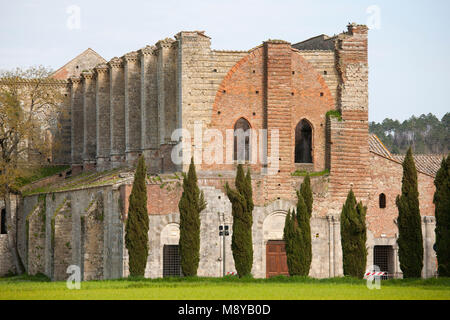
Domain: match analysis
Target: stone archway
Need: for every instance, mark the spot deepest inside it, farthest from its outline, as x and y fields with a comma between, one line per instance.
x=268, y=225
x=273, y=229
x=170, y=236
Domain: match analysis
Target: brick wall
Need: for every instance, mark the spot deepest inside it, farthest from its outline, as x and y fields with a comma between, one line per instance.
x=386, y=178
x=349, y=149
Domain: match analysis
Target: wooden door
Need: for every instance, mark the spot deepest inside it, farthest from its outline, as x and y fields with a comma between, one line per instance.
x=276, y=261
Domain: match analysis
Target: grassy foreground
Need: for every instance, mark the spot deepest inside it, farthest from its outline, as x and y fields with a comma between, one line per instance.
x=283, y=288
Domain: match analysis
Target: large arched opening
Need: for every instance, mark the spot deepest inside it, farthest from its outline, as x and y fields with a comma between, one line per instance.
x=241, y=140
x=303, y=142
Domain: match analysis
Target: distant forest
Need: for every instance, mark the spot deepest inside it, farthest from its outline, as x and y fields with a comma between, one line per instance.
x=426, y=134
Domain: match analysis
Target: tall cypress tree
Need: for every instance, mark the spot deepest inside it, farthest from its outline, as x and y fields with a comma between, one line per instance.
x=410, y=241
x=304, y=229
x=292, y=241
x=191, y=204
x=306, y=192
x=136, y=236
x=242, y=210
x=442, y=212
x=353, y=237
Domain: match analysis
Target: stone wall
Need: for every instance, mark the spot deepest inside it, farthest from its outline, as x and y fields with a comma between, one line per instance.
x=6, y=264
x=36, y=238
x=61, y=238
x=92, y=235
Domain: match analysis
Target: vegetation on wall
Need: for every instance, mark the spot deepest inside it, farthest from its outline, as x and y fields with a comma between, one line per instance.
x=334, y=114
x=441, y=201
x=426, y=134
x=242, y=211
x=353, y=237
x=191, y=203
x=410, y=241
x=136, y=237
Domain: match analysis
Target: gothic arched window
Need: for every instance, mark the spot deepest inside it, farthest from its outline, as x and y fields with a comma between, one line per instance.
x=382, y=200
x=303, y=142
x=241, y=140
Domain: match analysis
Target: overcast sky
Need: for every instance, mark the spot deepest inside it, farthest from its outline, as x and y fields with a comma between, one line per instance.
x=409, y=45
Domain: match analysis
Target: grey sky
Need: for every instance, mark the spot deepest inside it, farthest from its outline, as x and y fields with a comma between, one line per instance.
x=408, y=54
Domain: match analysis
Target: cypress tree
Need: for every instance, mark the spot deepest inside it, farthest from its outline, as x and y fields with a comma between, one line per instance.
x=353, y=237
x=441, y=201
x=242, y=209
x=306, y=192
x=304, y=229
x=410, y=241
x=136, y=236
x=191, y=204
x=292, y=240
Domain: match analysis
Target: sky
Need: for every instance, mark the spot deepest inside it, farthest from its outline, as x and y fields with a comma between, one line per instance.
x=409, y=44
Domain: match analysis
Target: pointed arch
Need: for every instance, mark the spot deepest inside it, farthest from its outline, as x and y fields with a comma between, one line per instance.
x=303, y=142
x=241, y=150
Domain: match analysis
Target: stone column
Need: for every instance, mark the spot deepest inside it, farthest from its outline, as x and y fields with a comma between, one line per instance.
x=117, y=112
x=103, y=116
x=77, y=120
x=330, y=220
x=429, y=238
x=163, y=74
x=149, y=99
x=89, y=120
x=337, y=248
x=132, y=107
x=397, y=271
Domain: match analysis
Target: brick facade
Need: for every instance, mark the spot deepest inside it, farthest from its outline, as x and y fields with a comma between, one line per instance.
x=132, y=105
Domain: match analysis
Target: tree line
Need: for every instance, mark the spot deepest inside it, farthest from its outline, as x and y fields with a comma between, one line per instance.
x=297, y=230
x=425, y=134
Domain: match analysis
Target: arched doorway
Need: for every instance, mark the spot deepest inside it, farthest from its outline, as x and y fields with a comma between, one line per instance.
x=170, y=237
x=241, y=140
x=303, y=142
x=276, y=260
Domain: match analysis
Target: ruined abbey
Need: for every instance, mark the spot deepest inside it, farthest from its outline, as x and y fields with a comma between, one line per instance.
x=311, y=97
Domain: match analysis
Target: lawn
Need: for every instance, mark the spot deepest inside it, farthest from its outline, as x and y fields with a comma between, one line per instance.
x=25, y=287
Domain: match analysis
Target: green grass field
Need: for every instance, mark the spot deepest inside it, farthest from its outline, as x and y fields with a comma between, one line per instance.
x=25, y=287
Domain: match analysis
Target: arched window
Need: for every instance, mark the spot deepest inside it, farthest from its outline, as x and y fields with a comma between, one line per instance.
x=3, y=229
x=382, y=200
x=303, y=142
x=241, y=140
